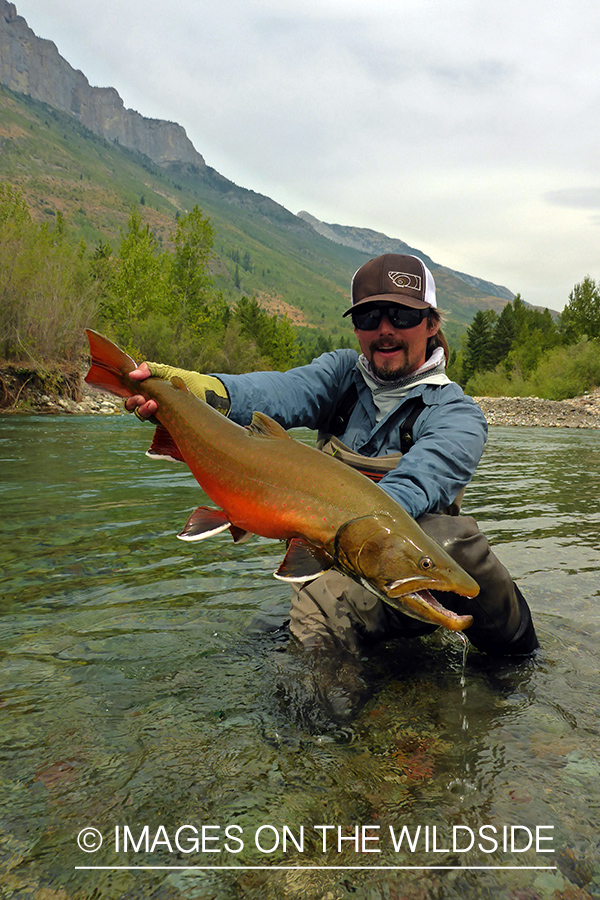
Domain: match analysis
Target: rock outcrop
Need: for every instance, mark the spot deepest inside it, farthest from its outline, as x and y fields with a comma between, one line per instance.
x=33, y=66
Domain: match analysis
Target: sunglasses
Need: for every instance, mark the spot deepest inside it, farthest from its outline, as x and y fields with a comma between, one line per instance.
x=369, y=318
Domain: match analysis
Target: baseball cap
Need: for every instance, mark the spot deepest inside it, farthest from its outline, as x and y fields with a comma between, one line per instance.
x=393, y=278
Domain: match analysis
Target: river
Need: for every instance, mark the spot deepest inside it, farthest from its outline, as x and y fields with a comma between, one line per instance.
x=150, y=701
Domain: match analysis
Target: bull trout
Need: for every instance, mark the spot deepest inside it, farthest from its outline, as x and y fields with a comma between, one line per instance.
x=264, y=482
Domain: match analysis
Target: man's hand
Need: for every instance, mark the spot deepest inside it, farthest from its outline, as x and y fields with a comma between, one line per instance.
x=207, y=387
x=143, y=408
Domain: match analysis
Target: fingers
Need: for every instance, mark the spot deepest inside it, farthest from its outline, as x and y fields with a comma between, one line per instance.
x=142, y=371
x=143, y=408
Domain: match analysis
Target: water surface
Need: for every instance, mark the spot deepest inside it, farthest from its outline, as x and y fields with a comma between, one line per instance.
x=142, y=689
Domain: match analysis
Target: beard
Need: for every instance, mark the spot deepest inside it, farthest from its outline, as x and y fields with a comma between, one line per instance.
x=392, y=371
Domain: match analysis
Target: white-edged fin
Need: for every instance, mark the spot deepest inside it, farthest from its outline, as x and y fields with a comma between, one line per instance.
x=263, y=426
x=166, y=456
x=302, y=562
x=163, y=446
x=204, y=523
x=239, y=535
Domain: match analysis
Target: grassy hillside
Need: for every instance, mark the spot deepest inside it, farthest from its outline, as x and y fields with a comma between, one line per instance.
x=61, y=166
x=261, y=249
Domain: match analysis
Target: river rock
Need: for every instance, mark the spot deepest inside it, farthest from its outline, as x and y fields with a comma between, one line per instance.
x=578, y=412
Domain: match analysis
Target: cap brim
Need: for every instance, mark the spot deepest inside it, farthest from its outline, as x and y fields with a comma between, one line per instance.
x=400, y=299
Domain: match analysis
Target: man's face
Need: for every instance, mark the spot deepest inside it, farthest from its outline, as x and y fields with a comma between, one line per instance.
x=395, y=352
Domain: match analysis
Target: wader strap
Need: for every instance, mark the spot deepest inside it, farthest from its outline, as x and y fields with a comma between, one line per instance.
x=406, y=429
x=339, y=418
x=374, y=467
x=338, y=421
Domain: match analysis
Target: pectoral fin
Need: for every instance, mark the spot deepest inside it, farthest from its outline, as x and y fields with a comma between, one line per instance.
x=302, y=562
x=205, y=522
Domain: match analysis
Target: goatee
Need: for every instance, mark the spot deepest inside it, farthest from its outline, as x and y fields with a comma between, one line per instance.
x=393, y=372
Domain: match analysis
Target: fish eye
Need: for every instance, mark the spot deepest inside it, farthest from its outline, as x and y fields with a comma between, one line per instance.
x=426, y=563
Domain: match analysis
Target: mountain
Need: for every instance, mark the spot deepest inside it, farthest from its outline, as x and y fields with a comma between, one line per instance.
x=375, y=243
x=261, y=249
x=32, y=66
x=75, y=149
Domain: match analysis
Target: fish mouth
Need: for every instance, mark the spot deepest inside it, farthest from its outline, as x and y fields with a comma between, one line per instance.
x=422, y=605
x=461, y=583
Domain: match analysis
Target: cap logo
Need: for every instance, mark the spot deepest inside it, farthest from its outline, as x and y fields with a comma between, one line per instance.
x=406, y=280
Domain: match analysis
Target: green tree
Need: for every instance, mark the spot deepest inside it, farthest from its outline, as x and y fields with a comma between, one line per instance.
x=503, y=336
x=478, y=345
x=135, y=281
x=190, y=280
x=581, y=315
x=274, y=337
x=535, y=334
x=46, y=295
x=13, y=208
x=520, y=313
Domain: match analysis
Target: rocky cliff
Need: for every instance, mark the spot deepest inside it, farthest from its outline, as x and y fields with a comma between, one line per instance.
x=33, y=66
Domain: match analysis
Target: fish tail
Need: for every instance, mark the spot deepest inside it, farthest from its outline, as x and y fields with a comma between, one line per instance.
x=110, y=366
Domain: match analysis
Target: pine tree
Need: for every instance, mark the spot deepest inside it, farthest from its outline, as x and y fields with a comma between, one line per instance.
x=190, y=281
x=503, y=337
x=135, y=282
x=478, y=344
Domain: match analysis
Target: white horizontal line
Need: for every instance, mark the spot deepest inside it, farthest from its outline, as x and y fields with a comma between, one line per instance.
x=370, y=868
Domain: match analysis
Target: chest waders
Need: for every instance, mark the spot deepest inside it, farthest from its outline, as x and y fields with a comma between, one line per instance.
x=335, y=612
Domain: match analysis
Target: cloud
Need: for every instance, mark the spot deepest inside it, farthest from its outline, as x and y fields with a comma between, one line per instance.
x=578, y=198
x=463, y=128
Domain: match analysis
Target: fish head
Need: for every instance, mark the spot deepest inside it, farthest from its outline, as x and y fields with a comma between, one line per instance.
x=401, y=564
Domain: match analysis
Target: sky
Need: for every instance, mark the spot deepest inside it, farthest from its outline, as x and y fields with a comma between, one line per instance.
x=468, y=129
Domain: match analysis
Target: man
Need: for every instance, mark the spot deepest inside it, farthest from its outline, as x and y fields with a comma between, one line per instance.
x=391, y=412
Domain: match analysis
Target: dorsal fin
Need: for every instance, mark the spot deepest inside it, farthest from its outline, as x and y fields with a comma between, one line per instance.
x=264, y=426
x=180, y=384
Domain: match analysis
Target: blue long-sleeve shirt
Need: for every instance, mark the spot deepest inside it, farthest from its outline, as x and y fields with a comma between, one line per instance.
x=449, y=435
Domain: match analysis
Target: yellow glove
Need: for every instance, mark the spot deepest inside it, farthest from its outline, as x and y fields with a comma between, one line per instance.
x=207, y=387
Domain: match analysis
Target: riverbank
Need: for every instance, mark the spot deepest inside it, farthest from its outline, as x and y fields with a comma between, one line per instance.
x=579, y=412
